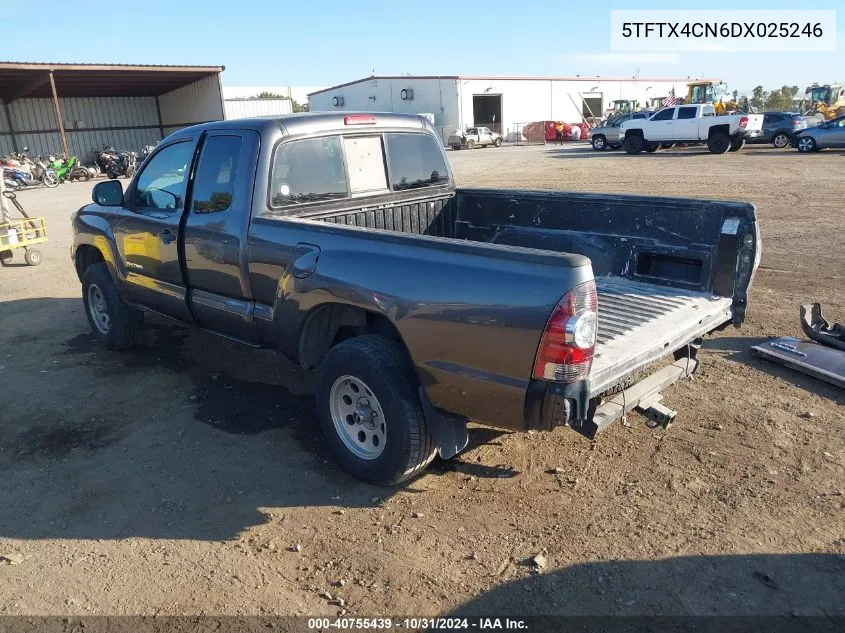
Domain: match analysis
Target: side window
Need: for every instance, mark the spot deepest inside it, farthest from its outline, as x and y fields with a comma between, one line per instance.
x=215, y=179
x=472, y=130
x=307, y=171
x=686, y=113
x=639, y=116
x=664, y=115
x=415, y=160
x=708, y=110
x=162, y=183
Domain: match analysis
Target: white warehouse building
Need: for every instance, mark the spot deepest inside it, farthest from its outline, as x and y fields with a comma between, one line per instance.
x=503, y=104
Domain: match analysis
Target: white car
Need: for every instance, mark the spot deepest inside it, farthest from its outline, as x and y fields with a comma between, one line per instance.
x=475, y=137
x=691, y=124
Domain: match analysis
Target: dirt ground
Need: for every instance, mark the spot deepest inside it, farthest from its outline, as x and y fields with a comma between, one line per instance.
x=189, y=476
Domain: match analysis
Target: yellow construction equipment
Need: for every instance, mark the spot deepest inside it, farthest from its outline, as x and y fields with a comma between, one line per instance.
x=710, y=92
x=624, y=106
x=826, y=101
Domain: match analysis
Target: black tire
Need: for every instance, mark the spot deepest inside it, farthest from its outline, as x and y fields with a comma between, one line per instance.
x=599, y=143
x=124, y=321
x=806, y=144
x=737, y=144
x=651, y=149
x=498, y=142
x=633, y=144
x=81, y=174
x=470, y=144
x=719, y=143
x=456, y=147
x=781, y=140
x=6, y=257
x=383, y=366
x=32, y=256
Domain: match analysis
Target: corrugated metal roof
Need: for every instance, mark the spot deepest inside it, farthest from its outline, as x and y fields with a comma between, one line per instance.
x=32, y=79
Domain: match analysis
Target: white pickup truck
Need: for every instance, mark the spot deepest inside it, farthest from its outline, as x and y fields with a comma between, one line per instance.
x=690, y=124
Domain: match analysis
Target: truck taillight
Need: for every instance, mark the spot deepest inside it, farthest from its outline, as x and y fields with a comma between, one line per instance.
x=566, y=349
x=359, y=119
x=743, y=121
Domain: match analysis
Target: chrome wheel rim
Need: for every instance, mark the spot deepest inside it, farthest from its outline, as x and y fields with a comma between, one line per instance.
x=598, y=143
x=805, y=145
x=98, y=309
x=357, y=417
x=781, y=141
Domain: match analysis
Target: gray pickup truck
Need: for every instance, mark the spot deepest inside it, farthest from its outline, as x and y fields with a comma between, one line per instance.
x=341, y=241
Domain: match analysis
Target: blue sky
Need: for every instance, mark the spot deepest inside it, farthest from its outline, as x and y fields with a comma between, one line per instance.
x=325, y=42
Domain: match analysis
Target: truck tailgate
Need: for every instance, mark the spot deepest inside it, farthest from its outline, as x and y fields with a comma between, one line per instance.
x=641, y=322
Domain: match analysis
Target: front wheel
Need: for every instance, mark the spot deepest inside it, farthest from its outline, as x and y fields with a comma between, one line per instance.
x=719, y=143
x=6, y=257
x=116, y=324
x=599, y=143
x=780, y=140
x=32, y=256
x=370, y=411
x=806, y=144
x=633, y=144
x=737, y=144
x=50, y=179
x=498, y=142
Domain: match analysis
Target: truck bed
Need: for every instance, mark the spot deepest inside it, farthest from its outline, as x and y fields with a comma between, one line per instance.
x=640, y=321
x=668, y=271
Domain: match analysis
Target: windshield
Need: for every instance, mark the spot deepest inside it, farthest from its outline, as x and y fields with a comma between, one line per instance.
x=701, y=94
x=818, y=94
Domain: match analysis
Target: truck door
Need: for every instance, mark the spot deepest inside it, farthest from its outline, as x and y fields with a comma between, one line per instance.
x=147, y=230
x=686, y=125
x=660, y=126
x=215, y=233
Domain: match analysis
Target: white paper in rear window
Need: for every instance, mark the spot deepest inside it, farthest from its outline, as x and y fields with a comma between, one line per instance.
x=365, y=161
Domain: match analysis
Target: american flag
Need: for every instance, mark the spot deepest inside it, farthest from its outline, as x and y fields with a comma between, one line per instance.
x=670, y=100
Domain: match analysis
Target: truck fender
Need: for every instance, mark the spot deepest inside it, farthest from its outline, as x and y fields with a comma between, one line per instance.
x=96, y=233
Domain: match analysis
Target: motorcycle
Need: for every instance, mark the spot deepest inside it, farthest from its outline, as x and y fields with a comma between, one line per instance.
x=123, y=165
x=68, y=169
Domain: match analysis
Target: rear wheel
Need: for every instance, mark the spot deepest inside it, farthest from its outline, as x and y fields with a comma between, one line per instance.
x=498, y=142
x=737, y=144
x=633, y=144
x=370, y=411
x=116, y=324
x=806, y=144
x=470, y=144
x=80, y=173
x=780, y=140
x=719, y=143
x=599, y=143
x=32, y=256
x=50, y=179
x=6, y=257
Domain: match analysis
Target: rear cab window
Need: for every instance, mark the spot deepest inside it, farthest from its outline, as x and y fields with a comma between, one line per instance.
x=337, y=167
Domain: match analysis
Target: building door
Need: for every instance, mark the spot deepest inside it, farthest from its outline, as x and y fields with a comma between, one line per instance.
x=591, y=106
x=487, y=111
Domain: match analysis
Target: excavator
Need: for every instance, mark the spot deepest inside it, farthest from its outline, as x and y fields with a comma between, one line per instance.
x=715, y=93
x=826, y=101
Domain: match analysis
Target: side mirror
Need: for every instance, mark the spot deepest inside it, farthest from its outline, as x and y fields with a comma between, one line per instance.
x=108, y=193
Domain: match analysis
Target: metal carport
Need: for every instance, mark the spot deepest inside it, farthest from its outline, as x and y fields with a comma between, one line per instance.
x=74, y=108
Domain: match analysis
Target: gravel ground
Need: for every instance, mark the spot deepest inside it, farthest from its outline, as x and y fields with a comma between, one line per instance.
x=188, y=476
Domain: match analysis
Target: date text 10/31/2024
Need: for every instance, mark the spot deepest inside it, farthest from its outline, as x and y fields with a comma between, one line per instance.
x=414, y=624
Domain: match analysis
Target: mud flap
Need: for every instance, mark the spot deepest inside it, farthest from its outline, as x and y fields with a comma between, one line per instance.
x=449, y=432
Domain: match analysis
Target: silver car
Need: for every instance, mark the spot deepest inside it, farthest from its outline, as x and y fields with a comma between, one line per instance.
x=606, y=136
x=475, y=137
x=828, y=134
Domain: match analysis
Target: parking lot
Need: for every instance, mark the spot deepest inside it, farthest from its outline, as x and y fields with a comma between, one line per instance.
x=189, y=475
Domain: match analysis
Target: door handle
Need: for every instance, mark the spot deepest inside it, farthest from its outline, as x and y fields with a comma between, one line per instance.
x=167, y=236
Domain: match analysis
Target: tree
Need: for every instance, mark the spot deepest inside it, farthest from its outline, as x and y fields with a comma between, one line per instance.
x=270, y=95
x=299, y=107
x=758, y=98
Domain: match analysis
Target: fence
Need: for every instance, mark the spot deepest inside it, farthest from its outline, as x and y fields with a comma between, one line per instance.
x=533, y=133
